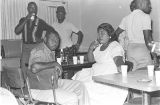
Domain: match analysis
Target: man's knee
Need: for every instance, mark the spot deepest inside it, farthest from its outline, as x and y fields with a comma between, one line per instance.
x=67, y=98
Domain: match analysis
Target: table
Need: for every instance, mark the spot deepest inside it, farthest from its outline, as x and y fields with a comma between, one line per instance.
x=131, y=81
x=86, y=64
x=70, y=69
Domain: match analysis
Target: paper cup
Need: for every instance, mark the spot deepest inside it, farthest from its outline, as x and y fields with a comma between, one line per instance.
x=59, y=60
x=150, y=69
x=124, y=70
x=75, y=59
x=157, y=77
x=81, y=59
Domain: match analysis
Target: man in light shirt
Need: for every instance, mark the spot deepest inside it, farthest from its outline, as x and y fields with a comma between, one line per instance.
x=137, y=26
x=42, y=66
x=66, y=29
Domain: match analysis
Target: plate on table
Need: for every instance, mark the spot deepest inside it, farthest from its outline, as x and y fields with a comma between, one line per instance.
x=144, y=80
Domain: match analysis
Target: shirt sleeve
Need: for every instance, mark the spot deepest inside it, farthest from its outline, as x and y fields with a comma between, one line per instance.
x=117, y=51
x=21, y=20
x=35, y=56
x=146, y=22
x=122, y=24
x=74, y=29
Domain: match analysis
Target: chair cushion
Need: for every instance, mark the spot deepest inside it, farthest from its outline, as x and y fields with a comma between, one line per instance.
x=11, y=62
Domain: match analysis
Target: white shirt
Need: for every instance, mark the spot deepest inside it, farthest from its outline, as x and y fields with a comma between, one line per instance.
x=7, y=98
x=134, y=24
x=65, y=30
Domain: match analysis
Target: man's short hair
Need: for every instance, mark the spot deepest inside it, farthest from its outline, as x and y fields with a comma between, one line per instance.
x=141, y=4
x=49, y=32
x=61, y=9
x=32, y=3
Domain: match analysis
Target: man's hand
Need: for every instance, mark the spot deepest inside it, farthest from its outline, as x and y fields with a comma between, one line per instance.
x=29, y=16
x=77, y=46
x=35, y=68
x=59, y=70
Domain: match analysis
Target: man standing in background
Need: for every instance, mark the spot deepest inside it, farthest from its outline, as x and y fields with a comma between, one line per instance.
x=66, y=29
x=32, y=29
x=138, y=29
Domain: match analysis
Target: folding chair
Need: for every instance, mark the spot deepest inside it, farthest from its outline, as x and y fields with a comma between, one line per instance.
x=30, y=86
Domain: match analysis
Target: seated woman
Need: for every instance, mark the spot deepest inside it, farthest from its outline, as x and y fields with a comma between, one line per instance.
x=109, y=56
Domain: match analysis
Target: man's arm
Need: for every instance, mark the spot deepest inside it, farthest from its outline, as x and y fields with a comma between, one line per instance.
x=80, y=37
x=148, y=39
x=47, y=26
x=21, y=24
x=118, y=32
x=36, y=64
x=39, y=66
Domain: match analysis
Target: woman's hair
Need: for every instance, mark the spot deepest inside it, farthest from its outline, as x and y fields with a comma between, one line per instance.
x=109, y=29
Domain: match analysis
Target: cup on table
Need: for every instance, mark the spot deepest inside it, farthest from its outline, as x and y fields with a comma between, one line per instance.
x=75, y=60
x=157, y=77
x=59, y=60
x=150, y=69
x=124, y=70
x=81, y=58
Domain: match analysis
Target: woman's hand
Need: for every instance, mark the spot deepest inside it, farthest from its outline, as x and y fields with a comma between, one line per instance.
x=94, y=45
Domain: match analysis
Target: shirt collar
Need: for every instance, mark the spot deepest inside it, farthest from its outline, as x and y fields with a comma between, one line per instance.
x=137, y=10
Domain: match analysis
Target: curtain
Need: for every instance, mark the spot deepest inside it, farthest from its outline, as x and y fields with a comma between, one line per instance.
x=13, y=10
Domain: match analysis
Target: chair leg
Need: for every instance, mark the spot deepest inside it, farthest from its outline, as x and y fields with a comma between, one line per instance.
x=130, y=95
x=22, y=92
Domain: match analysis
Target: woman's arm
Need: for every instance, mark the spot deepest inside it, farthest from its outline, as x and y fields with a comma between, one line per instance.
x=92, y=47
x=90, y=56
x=118, y=61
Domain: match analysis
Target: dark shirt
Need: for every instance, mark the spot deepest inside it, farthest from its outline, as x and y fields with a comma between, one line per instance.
x=41, y=26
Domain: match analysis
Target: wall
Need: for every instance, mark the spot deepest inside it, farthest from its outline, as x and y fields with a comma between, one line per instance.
x=95, y=12
x=155, y=15
x=88, y=14
x=13, y=10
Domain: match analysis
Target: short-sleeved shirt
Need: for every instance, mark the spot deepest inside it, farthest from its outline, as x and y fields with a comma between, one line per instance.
x=65, y=30
x=134, y=24
x=39, y=27
x=41, y=53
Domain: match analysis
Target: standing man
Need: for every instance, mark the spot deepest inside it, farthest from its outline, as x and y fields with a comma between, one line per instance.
x=66, y=29
x=138, y=29
x=42, y=64
x=32, y=29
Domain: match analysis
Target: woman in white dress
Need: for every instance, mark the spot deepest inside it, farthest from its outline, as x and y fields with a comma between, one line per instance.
x=109, y=56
